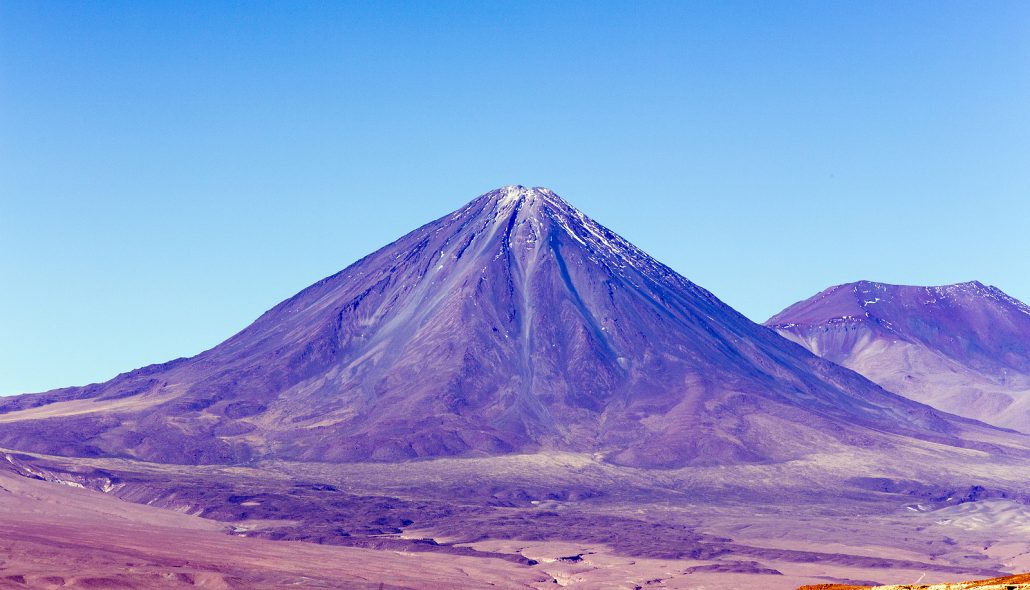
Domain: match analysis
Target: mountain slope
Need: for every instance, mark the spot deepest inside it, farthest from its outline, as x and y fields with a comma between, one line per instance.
x=963, y=348
x=511, y=325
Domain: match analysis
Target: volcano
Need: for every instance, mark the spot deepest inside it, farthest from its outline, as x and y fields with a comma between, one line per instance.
x=515, y=324
x=964, y=348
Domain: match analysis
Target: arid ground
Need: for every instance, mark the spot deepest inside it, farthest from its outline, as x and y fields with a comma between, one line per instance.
x=515, y=521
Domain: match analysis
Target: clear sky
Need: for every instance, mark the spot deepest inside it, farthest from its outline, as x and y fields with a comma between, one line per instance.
x=170, y=170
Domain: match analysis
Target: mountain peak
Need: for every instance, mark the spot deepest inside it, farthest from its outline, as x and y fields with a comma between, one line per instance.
x=967, y=286
x=971, y=316
x=517, y=192
x=525, y=202
x=864, y=300
x=536, y=220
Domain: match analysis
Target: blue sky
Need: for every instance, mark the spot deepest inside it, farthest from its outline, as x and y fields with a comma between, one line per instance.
x=170, y=170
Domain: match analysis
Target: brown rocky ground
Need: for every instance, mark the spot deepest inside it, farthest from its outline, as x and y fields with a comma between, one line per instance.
x=1017, y=582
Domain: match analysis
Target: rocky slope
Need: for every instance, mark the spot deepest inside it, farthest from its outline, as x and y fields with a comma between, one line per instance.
x=962, y=348
x=514, y=324
x=1017, y=582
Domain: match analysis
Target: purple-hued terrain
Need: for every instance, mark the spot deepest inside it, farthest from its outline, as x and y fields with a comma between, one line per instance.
x=962, y=348
x=513, y=394
x=514, y=324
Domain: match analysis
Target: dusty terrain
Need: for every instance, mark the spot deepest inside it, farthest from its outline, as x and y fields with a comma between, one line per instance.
x=1017, y=582
x=540, y=520
x=60, y=536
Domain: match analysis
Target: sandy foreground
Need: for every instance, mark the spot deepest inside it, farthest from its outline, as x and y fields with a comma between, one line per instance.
x=55, y=536
x=641, y=529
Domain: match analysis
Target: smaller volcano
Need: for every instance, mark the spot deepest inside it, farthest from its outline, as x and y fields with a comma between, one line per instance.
x=963, y=348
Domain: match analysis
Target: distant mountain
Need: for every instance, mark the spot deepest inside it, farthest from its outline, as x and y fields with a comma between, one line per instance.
x=962, y=348
x=511, y=325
